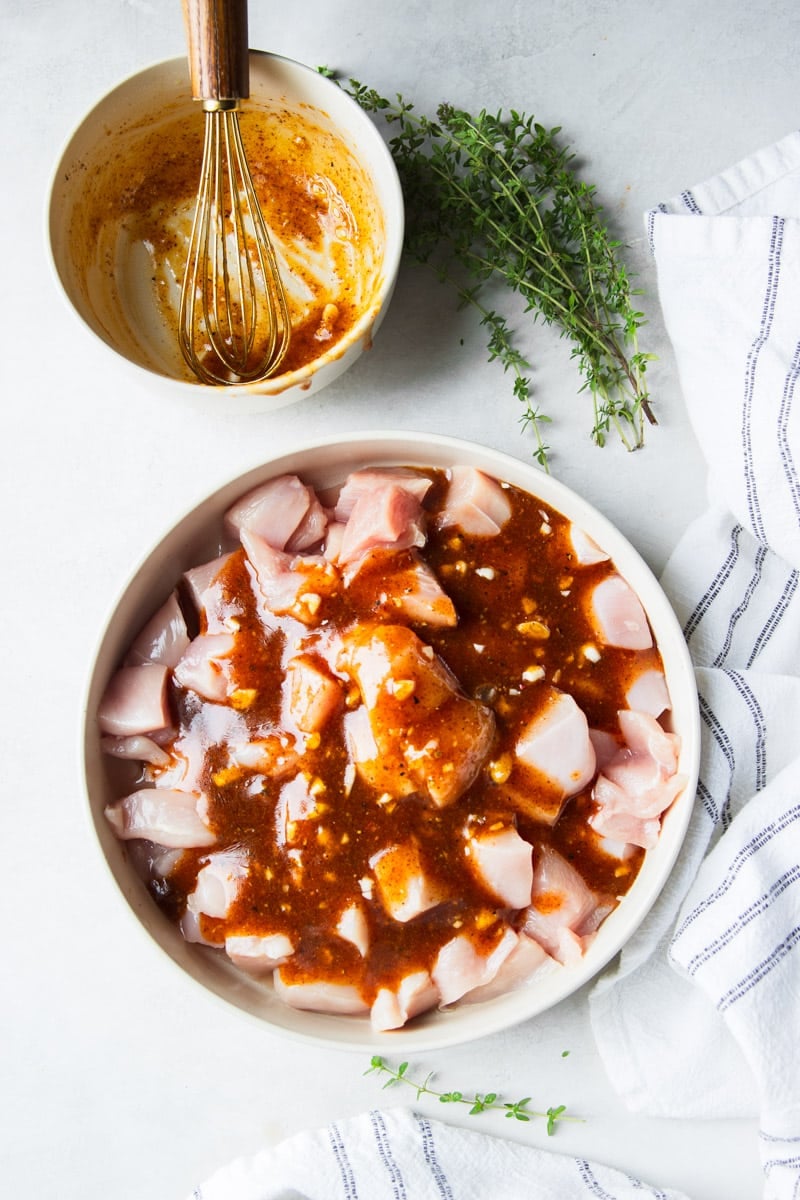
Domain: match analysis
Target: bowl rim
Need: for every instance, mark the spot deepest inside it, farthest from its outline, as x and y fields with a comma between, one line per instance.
x=301, y=378
x=463, y=1022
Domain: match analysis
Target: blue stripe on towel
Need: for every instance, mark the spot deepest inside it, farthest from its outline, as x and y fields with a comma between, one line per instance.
x=759, y=906
x=759, y=726
x=758, y=343
x=761, y=970
x=387, y=1158
x=342, y=1161
x=740, y=859
x=775, y=617
x=714, y=588
x=742, y=607
x=784, y=447
x=429, y=1151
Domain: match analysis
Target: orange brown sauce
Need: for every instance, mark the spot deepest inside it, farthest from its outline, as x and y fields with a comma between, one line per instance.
x=534, y=578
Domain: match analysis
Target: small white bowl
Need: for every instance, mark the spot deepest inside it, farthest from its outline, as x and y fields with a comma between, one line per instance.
x=196, y=538
x=103, y=252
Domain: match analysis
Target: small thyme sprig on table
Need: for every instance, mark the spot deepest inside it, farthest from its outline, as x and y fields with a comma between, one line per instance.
x=480, y=1102
x=497, y=198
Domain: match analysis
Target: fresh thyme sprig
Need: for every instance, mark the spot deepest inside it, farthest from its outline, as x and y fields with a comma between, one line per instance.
x=497, y=197
x=480, y=1102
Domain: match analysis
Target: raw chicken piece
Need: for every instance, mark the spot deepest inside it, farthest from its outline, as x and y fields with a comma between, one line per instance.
x=430, y=738
x=388, y=515
x=162, y=815
x=563, y=909
x=136, y=747
x=617, y=616
x=405, y=888
x=352, y=927
x=135, y=701
x=503, y=862
x=296, y=803
x=415, y=994
x=402, y=587
x=459, y=967
x=364, y=483
x=198, y=580
x=273, y=755
x=314, y=696
x=258, y=955
x=205, y=666
x=639, y=783
x=527, y=959
x=475, y=503
x=276, y=511
x=586, y=550
x=554, y=759
x=163, y=639
x=290, y=585
x=217, y=884
x=320, y=995
x=648, y=693
x=616, y=819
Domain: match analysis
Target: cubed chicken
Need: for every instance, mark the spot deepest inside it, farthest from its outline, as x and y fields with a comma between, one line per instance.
x=217, y=884
x=475, y=504
x=137, y=747
x=430, y=738
x=135, y=701
x=205, y=667
x=314, y=695
x=162, y=815
x=285, y=512
x=163, y=639
x=258, y=954
x=554, y=758
x=616, y=615
x=389, y=516
x=585, y=549
x=393, y=1007
x=319, y=995
x=402, y=587
x=405, y=885
x=639, y=783
x=365, y=483
x=563, y=908
x=503, y=863
x=462, y=966
x=290, y=585
x=527, y=959
x=648, y=693
x=353, y=927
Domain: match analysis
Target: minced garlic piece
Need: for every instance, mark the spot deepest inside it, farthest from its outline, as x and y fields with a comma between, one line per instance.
x=403, y=688
x=242, y=698
x=533, y=674
x=500, y=769
x=533, y=629
x=486, y=572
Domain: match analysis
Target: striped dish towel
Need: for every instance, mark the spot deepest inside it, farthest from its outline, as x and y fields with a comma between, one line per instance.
x=702, y=1015
x=399, y=1155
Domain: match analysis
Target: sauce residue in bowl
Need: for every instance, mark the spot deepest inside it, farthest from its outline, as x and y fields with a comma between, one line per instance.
x=318, y=202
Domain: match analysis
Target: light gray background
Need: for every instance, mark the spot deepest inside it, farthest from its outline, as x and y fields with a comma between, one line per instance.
x=116, y=1080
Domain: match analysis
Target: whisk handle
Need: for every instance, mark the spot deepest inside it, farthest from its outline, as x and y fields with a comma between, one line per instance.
x=217, y=34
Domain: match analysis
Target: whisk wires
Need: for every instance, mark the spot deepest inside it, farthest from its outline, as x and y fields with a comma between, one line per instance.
x=234, y=315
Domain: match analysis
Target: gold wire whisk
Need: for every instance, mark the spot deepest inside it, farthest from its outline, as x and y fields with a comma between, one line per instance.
x=234, y=323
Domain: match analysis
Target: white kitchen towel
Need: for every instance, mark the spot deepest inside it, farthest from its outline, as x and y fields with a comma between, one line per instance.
x=701, y=1017
x=398, y=1155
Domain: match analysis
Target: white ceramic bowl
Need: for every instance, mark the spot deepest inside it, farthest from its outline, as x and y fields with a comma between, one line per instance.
x=105, y=263
x=195, y=539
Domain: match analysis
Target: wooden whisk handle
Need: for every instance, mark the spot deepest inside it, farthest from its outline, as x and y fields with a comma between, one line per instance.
x=216, y=31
